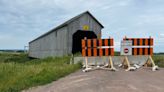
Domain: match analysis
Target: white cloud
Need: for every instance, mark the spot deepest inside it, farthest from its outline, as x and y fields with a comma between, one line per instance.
x=124, y=3
x=117, y=45
x=162, y=35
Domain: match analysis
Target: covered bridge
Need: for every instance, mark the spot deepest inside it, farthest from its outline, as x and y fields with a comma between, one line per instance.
x=66, y=38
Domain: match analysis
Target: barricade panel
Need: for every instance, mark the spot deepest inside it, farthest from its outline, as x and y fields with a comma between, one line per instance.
x=97, y=47
x=141, y=46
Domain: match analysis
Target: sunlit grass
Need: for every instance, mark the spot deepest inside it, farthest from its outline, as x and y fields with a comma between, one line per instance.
x=17, y=72
x=159, y=60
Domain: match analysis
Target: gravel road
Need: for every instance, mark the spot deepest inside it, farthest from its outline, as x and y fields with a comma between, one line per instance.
x=141, y=80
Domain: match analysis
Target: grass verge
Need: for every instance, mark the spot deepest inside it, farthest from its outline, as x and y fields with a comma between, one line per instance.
x=17, y=72
x=159, y=60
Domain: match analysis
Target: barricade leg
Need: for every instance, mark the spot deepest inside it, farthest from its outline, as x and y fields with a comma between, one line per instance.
x=87, y=68
x=109, y=66
x=154, y=66
x=127, y=63
x=105, y=67
x=112, y=68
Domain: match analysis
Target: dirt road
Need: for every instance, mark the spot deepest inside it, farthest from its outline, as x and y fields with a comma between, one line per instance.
x=142, y=80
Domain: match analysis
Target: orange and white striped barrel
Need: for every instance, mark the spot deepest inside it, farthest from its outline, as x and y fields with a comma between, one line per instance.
x=141, y=46
x=97, y=47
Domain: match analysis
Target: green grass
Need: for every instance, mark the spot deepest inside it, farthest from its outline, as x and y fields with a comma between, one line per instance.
x=159, y=60
x=18, y=72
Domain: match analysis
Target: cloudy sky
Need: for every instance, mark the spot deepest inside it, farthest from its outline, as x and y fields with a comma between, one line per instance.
x=23, y=20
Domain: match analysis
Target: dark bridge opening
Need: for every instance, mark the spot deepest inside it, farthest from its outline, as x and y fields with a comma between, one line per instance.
x=78, y=36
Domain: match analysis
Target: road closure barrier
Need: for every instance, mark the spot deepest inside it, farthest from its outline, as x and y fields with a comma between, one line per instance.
x=139, y=47
x=98, y=48
x=96, y=51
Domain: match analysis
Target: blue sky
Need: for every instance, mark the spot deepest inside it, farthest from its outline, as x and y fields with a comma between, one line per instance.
x=23, y=20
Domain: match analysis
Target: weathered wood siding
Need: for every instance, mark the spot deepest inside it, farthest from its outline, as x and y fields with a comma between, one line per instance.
x=53, y=44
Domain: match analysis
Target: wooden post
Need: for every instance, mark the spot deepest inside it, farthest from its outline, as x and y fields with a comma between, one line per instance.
x=111, y=64
x=149, y=61
x=152, y=61
x=86, y=62
x=125, y=62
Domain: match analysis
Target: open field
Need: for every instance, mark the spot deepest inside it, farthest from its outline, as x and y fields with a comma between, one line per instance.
x=17, y=72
